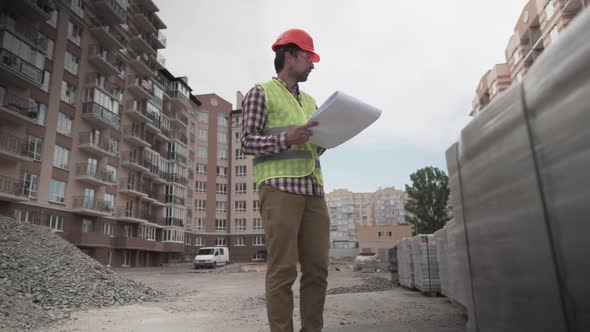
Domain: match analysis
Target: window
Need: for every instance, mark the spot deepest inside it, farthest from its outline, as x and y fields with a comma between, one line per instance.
x=516, y=56
x=57, y=191
x=258, y=257
x=255, y=187
x=549, y=10
x=25, y=216
x=68, y=93
x=554, y=34
x=220, y=206
x=237, y=137
x=384, y=234
x=199, y=241
x=201, y=186
x=240, y=206
x=42, y=115
x=111, y=174
x=109, y=230
x=64, y=124
x=220, y=225
x=61, y=157
x=203, y=117
x=221, y=189
x=109, y=201
x=46, y=80
x=52, y=21
x=240, y=188
x=203, y=134
x=30, y=185
x=258, y=241
x=87, y=225
x=220, y=242
x=221, y=154
x=50, y=47
x=494, y=88
x=71, y=64
x=222, y=171
x=222, y=138
x=201, y=169
x=221, y=120
x=126, y=258
x=240, y=224
x=74, y=33
x=174, y=235
x=147, y=232
x=240, y=170
x=78, y=7
x=239, y=242
x=258, y=224
x=240, y=155
x=200, y=224
x=237, y=120
x=202, y=152
x=127, y=231
x=200, y=205
x=56, y=223
x=34, y=147
x=256, y=205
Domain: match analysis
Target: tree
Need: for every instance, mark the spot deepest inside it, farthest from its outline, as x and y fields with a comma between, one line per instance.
x=427, y=203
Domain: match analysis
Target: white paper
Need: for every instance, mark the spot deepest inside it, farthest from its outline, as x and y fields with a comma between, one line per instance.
x=340, y=118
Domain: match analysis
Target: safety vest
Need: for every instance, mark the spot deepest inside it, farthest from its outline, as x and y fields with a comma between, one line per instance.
x=283, y=112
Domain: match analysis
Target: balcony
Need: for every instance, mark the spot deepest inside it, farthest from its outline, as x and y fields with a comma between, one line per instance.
x=180, y=137
x=176, y=200
x=171, y=221
x=13, y=148
x=35, y=10
x=137, y=243
x=130, y=188
x=132, y=161
x=176, y=118
x=148, y=5
x=159, y=40
x=25, y=33
x=110, y=11
x=175, y=178
x=91, y=206
x=97, y=145
x=92, y=239
x=141, y=44
x=17, y=110
x=130, y=215
x=105, y=86
x=107, y=38
x=141, y=65
x=572, y=6
x=92, y=175
x=141, y=88
x=142, y=21
x=11, y=190
x=135, y=113
x=99, y=116
x=173, y=247
x=153, y=196
x=104, y=61
x=159, y=61
x=134, y=135
x=18, y=71
x=179, y=99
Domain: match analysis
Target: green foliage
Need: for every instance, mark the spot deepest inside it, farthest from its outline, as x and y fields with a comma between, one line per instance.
x=427, y=205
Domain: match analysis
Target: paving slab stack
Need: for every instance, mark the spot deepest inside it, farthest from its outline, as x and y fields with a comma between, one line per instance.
x=440, y=237
x=521, y=194
x=424, y=257
x=405, y=263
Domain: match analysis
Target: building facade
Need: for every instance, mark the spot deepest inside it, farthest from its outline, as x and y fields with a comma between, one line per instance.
x=104, y=145
x=538, y=26
x=379, y=239
x=349, y=211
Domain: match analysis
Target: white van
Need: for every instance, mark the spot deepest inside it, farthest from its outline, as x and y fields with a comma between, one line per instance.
x=211, y=257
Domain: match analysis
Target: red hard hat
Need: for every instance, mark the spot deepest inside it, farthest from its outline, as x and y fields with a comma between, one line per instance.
x=299, y=38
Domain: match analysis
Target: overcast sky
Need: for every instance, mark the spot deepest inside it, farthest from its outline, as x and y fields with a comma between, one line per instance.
x=418, y=61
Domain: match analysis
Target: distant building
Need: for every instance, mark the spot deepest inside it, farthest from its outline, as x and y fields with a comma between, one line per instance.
x=539, y=25
x=379, y=239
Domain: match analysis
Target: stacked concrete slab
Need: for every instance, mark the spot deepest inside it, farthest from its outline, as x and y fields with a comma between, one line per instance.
x=405, y=263
x=440, y=237
x=424, y=257
x=519, y=182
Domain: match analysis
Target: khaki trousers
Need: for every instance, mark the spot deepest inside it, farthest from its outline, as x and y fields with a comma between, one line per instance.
x=297, y=228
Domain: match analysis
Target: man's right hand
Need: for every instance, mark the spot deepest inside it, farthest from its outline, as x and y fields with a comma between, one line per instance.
x=300, y=134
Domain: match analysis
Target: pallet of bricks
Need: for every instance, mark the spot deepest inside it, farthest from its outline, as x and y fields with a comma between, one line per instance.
x=440, y=237
x=424, y=257
x=405, y=264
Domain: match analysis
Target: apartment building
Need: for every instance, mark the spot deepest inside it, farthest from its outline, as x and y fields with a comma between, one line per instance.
x=538, y=26
x=379, y=239
x=349, y=211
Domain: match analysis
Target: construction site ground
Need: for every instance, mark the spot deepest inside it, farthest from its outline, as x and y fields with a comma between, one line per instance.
x=231, y=298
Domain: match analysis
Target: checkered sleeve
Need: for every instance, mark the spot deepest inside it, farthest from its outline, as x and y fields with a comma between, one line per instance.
x=253, y=122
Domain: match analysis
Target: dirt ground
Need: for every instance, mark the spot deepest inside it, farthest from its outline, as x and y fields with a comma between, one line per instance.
x=232, y=299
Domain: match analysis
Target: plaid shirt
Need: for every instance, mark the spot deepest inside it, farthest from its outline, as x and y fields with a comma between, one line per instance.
x=253, y=142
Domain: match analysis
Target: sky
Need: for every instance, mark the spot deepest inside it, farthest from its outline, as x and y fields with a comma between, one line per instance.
x=418, y=61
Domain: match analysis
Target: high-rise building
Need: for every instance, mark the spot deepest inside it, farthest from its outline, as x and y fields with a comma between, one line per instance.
x=539, y=25
x=104, y=145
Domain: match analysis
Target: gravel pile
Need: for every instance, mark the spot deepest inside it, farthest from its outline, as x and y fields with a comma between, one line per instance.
x=44, y=278
x=372, y=284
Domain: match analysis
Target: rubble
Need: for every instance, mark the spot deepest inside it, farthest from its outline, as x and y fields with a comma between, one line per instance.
x=372, y=284
x=44, y=278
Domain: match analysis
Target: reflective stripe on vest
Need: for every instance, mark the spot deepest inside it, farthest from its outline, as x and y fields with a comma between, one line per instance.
x=289, y=154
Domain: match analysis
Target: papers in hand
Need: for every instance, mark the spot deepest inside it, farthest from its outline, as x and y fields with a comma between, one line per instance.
x=341, y=117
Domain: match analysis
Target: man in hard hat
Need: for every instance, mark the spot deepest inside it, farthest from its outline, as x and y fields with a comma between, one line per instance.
x=296, y=222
